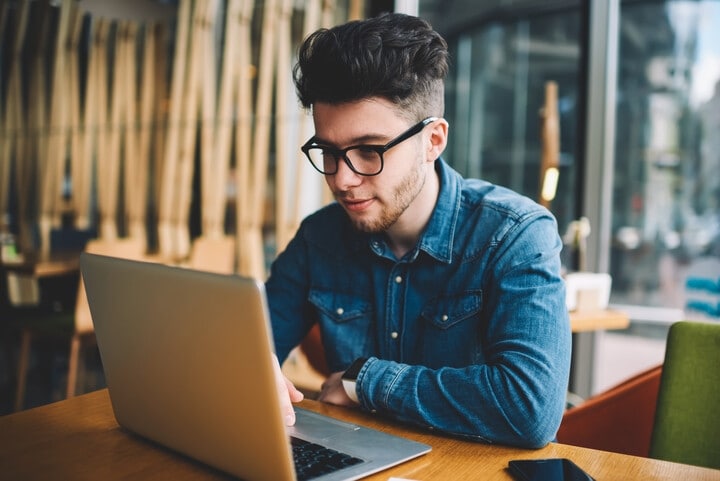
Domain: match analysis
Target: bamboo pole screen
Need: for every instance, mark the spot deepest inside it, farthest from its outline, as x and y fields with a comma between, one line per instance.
x=170, y=169
x=12, y=124
x=28, y=178
x=144, y=128
x=82, y=160
x=260, y=143
x=289, y=177
x=53, y=160
x=200, y=109
x=5, y=134
x=283, y=90
x=138, y=132
x=83, y=176
x=108, y=161
x=76, y=134
x=311, y=23
x=159, y=118
x=243, y=137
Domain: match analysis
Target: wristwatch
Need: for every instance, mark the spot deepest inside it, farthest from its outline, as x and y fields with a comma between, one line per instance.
x=349, y=377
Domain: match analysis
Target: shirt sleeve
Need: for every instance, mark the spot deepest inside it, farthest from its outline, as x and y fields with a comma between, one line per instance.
x=286, y=290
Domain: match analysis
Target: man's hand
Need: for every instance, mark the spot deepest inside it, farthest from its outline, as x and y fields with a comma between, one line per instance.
x=288, y=393
x=333, y=392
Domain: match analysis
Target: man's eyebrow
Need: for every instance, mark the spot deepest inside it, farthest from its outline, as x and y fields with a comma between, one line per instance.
x=367, y=139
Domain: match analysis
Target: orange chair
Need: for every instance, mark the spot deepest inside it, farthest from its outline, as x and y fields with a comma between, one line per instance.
x=618, y=420
x=312, y=348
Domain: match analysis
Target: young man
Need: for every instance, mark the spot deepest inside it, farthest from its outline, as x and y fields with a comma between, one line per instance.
x=438, y=297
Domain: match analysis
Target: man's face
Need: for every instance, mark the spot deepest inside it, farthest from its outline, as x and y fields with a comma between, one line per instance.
x=373, y=203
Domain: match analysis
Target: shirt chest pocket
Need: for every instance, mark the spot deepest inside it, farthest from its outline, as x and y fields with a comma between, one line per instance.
x=339, y=308
x=450, y=335
x=345, y=322
x=449, y=311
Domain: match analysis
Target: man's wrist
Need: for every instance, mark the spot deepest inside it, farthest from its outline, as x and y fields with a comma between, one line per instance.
x=349, y=378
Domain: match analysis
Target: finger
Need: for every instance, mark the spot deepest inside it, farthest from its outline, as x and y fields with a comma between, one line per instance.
x=284, y=394
x=295, y=394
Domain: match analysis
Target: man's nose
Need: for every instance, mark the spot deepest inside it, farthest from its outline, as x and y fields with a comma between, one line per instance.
x=345, y=177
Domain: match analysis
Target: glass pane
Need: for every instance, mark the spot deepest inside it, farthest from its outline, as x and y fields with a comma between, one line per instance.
x=666, y=215
x=496, y=91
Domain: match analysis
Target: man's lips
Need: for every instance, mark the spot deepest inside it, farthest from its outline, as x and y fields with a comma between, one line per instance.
x=356, y=205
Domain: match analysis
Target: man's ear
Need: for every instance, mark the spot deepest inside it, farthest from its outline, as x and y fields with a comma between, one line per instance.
x=437, y=140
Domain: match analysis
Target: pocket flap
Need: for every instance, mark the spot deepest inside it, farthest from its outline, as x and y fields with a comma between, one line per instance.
x=444, y=312
x=339, y=307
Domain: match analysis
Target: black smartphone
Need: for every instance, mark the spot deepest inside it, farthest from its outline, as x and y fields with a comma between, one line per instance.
x=555, y=469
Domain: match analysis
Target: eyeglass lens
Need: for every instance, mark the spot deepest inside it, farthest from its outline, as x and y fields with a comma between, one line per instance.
x=362, y=160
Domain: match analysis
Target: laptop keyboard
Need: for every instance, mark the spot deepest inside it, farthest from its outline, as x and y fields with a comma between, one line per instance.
x=313, y=460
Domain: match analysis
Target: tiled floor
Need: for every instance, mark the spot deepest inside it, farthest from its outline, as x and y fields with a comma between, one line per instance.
x=618, y=355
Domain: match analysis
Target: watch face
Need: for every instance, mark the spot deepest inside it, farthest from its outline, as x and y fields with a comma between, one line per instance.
x=354, y=369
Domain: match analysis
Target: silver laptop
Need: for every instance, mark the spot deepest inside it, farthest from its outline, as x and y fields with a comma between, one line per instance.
x=187, y=361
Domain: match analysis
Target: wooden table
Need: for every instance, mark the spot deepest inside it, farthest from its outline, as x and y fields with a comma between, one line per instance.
x=79, y=439
x=22, y=279
x=55, y=264
x=601, y=319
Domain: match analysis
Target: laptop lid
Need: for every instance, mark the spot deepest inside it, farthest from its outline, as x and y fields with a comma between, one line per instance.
x=187, y=361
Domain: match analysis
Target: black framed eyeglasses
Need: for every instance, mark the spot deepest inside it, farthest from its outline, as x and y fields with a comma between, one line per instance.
x=364, y=160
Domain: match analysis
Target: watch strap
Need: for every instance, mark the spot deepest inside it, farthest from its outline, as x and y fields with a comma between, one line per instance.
x=349, y=378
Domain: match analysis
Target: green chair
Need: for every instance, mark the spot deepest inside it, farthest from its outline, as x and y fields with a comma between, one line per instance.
x=687, y=418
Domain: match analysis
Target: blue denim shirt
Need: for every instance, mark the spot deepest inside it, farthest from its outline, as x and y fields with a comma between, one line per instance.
x=468, y=333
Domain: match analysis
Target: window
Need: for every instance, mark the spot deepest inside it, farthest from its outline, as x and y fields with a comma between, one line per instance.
x=665, y=222
x=666, y=212
x=495, y=94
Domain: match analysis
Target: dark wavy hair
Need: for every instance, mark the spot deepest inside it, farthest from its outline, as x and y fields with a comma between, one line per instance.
x=395, y=56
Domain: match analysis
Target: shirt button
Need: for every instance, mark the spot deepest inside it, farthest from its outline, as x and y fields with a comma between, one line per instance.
x=444, y=317
x=398, y=279
x=394, y=334
x=340, y=311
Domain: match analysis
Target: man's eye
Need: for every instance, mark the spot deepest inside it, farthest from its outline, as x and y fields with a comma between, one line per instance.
x=366, y=154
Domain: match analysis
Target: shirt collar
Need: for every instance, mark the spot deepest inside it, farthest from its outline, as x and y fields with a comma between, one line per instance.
x=438, y=237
